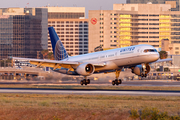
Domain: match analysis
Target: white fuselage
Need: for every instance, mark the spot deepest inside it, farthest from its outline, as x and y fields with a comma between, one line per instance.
x=121, y=57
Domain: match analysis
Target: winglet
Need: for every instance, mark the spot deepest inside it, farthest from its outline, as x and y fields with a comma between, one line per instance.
x=58, y=48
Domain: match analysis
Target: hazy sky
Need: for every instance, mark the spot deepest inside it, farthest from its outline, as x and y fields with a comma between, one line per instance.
x=88, y=4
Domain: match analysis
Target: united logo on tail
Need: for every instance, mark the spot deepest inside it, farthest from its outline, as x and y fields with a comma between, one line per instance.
x=58, y=49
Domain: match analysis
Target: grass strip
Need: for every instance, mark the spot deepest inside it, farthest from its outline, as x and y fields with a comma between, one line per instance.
x=56, y=107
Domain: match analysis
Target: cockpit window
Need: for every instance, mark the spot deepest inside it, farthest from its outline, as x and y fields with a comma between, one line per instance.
x=150, y=50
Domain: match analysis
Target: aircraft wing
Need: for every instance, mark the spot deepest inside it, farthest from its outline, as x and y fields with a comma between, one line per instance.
x=55, y=63
x=163, y=60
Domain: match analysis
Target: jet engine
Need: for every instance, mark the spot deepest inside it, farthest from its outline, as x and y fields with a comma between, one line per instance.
x=85, y=69
x=141, y=70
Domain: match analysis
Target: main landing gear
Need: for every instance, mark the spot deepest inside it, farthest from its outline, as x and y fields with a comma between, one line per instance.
x=116, y=81
x=85, y=81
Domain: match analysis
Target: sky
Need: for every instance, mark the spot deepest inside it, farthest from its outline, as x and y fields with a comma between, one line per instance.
x=88, y=4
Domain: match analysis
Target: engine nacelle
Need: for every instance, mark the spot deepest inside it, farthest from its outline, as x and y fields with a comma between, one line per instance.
x=141, y=70
x=85, y=69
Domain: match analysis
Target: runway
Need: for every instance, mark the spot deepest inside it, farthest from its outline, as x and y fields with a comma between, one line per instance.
x=167, y=83
x=164, y=83
x=90, y=91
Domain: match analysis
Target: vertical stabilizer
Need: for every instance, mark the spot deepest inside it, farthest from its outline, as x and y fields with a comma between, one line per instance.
x=58, y=48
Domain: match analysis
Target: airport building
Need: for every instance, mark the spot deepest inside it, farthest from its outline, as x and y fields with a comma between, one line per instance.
x=133, y=24
x=174, y=3
x=23, y=32
x=71, y=27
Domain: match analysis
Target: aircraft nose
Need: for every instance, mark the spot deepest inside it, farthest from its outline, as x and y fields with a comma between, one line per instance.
x=156, y=56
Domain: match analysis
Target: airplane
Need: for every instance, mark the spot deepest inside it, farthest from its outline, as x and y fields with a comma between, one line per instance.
x=137, y=58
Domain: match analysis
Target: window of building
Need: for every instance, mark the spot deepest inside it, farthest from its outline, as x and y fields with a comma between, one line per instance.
x=153, y=32
x=154, y=41
x=142, y=23
x=153, y=19
x=142, y=19
x=143, y=15
x=176, y=53
x=176, y=48
x=154, y=28
x=155, y=45
x=153, y=36
x=154, y=15
x=153, y=23
x=113, y=45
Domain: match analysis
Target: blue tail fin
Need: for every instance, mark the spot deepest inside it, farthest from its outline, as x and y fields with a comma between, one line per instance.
x=58, y=48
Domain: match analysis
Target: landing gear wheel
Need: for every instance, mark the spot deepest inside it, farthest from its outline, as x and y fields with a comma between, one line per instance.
x=116, y=82
x=142, y=75
x=145, y=75
x=88, y=81
x=119, y=81
x=113, y=82
x=85, y=81
x=81, y=82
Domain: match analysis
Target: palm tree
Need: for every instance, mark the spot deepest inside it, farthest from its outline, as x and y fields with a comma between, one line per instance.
x=44, y=53
x=163, y=54
x=50, y=56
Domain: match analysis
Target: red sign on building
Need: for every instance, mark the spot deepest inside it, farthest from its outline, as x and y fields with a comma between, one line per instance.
x=93, y=21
